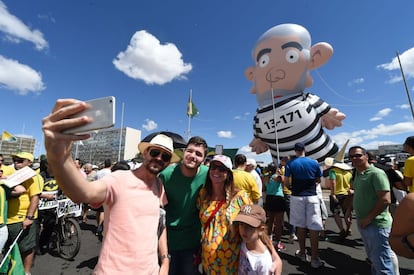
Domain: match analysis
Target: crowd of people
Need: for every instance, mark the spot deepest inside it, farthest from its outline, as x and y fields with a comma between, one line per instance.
x=189, y=216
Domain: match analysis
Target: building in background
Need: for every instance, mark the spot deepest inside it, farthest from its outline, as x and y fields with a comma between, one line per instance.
x=108, y=143
x=15, y=145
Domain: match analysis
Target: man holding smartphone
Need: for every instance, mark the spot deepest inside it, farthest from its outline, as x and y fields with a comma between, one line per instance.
x=131, y=243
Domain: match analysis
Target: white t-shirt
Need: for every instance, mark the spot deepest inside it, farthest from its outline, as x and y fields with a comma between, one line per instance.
x=252, y=263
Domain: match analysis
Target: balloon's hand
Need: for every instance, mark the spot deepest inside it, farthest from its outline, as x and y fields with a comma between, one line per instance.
x=332, y=119
x=258, y=146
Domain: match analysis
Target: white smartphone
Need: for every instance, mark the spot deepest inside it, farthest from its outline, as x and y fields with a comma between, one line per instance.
x=102, y=112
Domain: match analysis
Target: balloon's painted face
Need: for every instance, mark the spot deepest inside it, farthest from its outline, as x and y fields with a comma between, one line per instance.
x=281, y=64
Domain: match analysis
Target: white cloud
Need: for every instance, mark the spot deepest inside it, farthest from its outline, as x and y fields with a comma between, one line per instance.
x=20, y=77
x=407, y=63
x=381, y=114
x=356, y=81
x=149, y=125
x=403, y=106
x=370, y=138
x=147, y=59
x=225, y=134
x=16, y=30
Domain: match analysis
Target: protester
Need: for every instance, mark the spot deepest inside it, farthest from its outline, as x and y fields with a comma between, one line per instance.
x=339, y=182
x=132, y=198
x=275, y=206
x=402, y=232
x=409, y=164
x=47, y=216
x=182, y=183
x=305, y=212
x=251, y=167
x=244, y=180
x=256, y=248
x=370, y=202
x=286, y=194
x=7, y=170
x=22, y=211
x=219, y=203
x=106, y=170
x=4, y=233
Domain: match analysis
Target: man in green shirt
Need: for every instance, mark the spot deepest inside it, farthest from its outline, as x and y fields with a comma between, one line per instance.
x=371, y=200
x=182, y=183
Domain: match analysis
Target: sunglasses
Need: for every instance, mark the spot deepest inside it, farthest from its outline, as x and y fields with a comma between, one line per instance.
x=18, y=160
x=1, y=160
x=355, y=156
x=221, y=168
x=165, y=157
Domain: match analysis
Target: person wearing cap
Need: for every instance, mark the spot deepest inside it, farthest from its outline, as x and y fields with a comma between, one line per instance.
x=22, y=211
x=132, y=198
x=305, y=211
x=219, y=202
x=371, y=200
x=182, y=183
x=256, y=248
x=244, y=180
x=339, y=181
x=251, y=166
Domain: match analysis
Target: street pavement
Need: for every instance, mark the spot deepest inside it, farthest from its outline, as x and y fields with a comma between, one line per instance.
x=346, y=258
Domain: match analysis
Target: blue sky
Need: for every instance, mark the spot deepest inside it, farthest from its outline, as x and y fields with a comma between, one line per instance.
x=149, y=54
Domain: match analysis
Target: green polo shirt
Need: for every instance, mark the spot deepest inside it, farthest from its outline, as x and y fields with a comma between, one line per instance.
x=366, y=185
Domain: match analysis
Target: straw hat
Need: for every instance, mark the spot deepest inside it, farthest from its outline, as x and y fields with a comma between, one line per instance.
x=338, y=161
x=160, y=141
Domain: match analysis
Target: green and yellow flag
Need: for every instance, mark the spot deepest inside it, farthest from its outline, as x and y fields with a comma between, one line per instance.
x=13, y=264
x=191, y=109
x=6, y=136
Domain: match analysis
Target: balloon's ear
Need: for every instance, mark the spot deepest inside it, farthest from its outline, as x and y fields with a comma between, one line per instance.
x=320, y=54
x=249, y=73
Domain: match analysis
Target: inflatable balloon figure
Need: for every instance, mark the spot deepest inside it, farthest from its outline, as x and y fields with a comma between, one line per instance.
x=284, y=57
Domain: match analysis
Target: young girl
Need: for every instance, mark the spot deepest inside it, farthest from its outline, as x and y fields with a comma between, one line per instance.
x=256, y=248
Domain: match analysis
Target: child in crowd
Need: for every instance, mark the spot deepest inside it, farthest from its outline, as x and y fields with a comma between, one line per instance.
x=256, y=248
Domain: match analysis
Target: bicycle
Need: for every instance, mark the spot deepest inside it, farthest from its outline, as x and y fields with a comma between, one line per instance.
x=66, y=233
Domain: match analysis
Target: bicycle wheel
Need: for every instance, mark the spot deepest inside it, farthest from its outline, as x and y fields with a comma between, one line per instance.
x=68, y=244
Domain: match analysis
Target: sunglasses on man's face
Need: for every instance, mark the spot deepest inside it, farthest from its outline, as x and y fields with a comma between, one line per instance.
x=18, y=160
x=221, y=168
x=165, y=157
x=356, y=156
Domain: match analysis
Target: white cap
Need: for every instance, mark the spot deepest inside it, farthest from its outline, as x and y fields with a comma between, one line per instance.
x=251, y=162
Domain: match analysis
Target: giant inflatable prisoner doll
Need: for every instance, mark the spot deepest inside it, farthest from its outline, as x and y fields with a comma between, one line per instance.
x=284, y=57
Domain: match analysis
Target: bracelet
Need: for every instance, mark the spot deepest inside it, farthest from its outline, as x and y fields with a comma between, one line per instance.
x=165, y=256
x=30, y=218
x=407, y=244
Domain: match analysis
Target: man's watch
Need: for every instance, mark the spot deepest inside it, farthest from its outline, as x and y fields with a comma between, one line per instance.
x=407, y=244
x=30, y=218
x=165, y=256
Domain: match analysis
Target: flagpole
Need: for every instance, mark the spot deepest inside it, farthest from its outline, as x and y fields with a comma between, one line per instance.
x=120, y=132
x=11, y=247
x=189, y=115
x=405, y=84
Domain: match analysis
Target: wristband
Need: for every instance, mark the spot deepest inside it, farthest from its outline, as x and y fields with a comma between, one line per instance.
x=30, y=218
x=407, y=244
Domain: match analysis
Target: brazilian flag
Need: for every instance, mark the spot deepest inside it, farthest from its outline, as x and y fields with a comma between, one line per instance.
x=13, y=264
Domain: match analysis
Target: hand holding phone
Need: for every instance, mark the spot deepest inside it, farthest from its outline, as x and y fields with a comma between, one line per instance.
x=102, y=112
